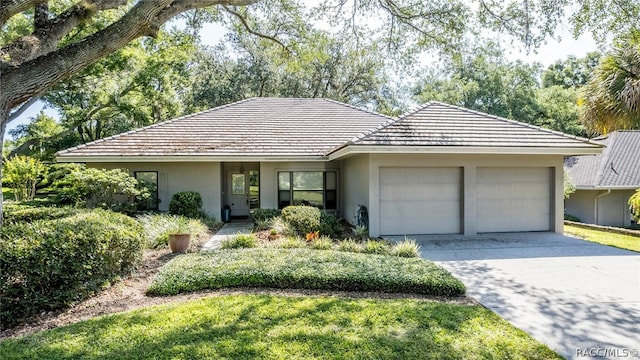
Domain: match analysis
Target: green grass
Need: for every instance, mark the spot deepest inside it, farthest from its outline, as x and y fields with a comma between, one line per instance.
x=303, y=269
x=275, y=327
x=621, y=241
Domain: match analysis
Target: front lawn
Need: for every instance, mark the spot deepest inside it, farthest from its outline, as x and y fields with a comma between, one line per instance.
x=277, y=327
x=303, y=269
x=621, y=241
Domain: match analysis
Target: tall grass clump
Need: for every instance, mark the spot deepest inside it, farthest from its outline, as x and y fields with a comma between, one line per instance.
x=406, y=248
x=157, y=228
x=240, y=240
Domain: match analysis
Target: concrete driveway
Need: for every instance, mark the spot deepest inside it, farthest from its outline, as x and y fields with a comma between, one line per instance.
x=579, y=298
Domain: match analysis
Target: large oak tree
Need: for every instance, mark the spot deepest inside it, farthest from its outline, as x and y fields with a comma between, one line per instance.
x=61, y=41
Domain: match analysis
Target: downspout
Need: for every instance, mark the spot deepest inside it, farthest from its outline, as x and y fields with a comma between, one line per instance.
x=595, y=203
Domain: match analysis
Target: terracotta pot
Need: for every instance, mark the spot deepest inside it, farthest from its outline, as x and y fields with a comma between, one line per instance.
x=179, y=243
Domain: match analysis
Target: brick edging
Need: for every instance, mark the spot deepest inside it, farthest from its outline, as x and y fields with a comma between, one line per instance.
x=605, y=228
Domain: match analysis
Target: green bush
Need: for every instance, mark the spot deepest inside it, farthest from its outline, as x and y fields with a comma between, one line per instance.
x=48, y=264
x=186, y=203
x=303, y=269
x=107, y=189
x=240, y=240
x=282, y=227
x=22, y=173
x=322, y=243
x=20, y=213
x=303, y=219
x=157, y=228
x=264, y=214
x=634, y=205
x=349, y=245
x=360, y=232
x=406, y=248
x=262, y=225
x=330, y=226
x=376, y=247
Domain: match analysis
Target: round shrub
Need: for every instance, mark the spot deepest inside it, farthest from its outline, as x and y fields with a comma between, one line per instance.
x=49, y=264
x=330, y=226
x=186, y=203
x=304, y=219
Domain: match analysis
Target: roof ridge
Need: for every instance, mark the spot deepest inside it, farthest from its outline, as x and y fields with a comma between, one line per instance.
x=152, y=126
x=515, y=122
x=353, y=107
x=389, y=123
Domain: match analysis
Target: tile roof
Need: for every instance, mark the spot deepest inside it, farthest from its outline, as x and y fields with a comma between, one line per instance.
x=439, y=124
x=617, y=166
x=252, y=127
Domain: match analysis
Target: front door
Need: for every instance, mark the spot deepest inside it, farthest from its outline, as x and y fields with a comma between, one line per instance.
x=238, y=193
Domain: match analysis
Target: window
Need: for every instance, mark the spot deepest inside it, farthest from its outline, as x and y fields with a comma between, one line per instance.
x=312, y=188
x=149, y=180
x=238, y=184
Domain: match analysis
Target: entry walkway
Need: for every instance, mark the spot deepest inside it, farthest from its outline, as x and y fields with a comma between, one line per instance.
x=228, y=229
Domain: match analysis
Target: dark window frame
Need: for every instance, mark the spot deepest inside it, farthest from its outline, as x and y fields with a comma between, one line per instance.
x=290, y=191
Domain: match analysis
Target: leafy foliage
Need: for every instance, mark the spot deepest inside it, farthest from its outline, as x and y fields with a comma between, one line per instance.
x=158, y=227
x=634, y=204
x=569, y=188
x=303, y=268
x=303, y=219
x=264, y=214
x=15, y=213
x=406, y=248
x=23, y=173
x=49, y=264
x=612, y=96
x=107, y=189
x=241, y=240
x=186, y=203
x=380, y=247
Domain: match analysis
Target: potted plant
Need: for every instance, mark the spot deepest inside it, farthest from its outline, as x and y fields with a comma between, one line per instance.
x=180, y=236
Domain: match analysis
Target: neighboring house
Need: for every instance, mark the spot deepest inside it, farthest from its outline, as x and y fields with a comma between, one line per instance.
x=605, y=182
x=437, y=170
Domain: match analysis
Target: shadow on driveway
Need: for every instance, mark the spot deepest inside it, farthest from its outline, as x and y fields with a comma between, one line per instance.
x=570, y=294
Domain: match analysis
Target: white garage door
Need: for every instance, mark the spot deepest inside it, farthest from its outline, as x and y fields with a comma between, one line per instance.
x=420, y=201
x=514, y=199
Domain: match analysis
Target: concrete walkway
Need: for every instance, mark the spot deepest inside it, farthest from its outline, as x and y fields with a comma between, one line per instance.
x=228, y=229
x=580, y=298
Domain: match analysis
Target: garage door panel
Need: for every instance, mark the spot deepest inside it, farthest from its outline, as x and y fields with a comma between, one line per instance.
x=513, y=199
x=419, y=200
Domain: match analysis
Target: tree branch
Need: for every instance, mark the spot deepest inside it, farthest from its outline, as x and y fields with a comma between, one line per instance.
x=8, y=8
x=243, y=20
x=14, y=115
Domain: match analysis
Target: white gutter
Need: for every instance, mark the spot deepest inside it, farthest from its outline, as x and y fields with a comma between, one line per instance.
x=595, y=203
x=185, y=158
x=501, y=150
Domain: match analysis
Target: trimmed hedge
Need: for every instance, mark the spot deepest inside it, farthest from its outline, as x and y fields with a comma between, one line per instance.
x=303, y=269
x=16, y=214
x=49, y=264
x=186, y=203
x=303, y=219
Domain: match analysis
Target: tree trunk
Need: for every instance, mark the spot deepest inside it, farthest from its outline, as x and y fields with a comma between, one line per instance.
x=4, y=114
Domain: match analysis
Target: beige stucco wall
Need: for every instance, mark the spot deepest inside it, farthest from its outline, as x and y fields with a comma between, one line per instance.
x=269, y=178
x=469, y=163
x=204, y=178
x=355, y=185
x=581, y=204
x=609, y=209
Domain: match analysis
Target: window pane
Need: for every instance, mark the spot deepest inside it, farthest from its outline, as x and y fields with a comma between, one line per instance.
x=307, y=180
x=284, y=199
x=331, y=180
x=238, y=185
x=310, y=198
x=149, y=180
x=284, y=181
x=332, y=202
